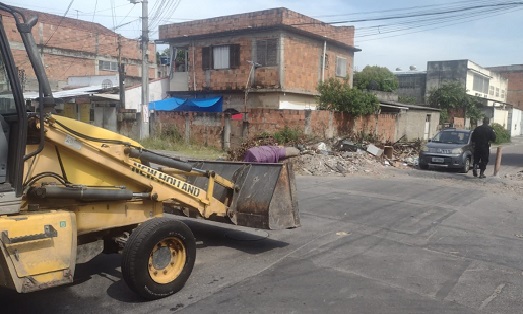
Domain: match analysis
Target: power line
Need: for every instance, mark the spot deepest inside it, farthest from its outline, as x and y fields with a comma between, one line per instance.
x=61, y=20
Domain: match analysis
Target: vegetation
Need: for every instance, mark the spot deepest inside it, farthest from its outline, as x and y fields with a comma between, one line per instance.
x=375, y=78
x=337, y=95
x=453, y=95
x=170, y=139
x=288, y=135
x=502, y=134
x=408, y=100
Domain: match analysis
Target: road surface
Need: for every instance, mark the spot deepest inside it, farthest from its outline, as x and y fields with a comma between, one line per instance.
x=394, y=244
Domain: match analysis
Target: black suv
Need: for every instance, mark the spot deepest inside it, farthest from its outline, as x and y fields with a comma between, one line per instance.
x=450, y=148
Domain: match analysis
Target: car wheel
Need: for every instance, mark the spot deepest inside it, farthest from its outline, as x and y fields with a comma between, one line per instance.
x=466, y=166
x=158, y=258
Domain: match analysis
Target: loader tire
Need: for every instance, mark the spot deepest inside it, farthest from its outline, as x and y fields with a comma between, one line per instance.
x=158, y=258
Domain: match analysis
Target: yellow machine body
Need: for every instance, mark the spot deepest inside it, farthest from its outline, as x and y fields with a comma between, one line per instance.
x=90, y=158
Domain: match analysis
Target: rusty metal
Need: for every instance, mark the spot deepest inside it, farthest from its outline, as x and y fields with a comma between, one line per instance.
x=264, y=197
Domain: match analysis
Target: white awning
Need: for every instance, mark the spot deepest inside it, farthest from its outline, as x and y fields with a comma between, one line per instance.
x=108, y=96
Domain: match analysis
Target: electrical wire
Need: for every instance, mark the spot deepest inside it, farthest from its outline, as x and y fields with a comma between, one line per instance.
x=61, y=20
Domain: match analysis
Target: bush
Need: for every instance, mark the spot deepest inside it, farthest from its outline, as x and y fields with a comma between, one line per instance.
x=502, y=134
x=287, y=135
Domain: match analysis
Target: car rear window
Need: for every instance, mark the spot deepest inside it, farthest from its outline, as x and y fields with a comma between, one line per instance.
x=452, y=137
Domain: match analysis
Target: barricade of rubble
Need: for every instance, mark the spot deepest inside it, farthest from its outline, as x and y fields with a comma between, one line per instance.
x=341, y=157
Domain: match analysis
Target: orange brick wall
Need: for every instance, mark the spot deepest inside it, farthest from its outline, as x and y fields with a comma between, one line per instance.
x=260, y=19
x=72, y=47
x=207, y=128
x=515, y=88
x=234, y=79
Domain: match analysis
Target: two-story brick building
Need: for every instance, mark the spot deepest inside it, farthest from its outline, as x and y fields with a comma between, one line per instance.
x=267, y=59
x=71, y=47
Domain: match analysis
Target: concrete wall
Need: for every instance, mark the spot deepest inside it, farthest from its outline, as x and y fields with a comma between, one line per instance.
x=501, y=117
x=441, y=72
x=515, y=122
x=413, y=84
x=157, y=90
x=411, y=124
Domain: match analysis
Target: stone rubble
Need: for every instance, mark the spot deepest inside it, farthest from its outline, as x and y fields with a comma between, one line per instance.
x=345, y=157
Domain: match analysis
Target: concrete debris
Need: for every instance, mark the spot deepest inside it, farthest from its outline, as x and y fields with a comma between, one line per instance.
x=347, y=157
x=341, y=157
x=374, y=150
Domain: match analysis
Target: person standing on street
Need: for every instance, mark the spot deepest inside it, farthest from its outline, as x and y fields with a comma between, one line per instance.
x=482, y=136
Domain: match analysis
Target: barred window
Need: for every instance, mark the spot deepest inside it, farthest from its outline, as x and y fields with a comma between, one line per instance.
x=267, y=52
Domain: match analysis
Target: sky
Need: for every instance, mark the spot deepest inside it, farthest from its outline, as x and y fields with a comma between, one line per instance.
x=398, y=35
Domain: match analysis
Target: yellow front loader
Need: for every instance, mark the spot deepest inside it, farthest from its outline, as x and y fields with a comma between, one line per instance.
x=70, y=191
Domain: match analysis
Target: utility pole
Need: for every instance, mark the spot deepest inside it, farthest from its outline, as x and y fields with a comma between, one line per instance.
x=143, y=123
x=121, y=73
x=144, y=130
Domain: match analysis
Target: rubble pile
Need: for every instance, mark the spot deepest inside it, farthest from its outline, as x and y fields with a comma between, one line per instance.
x=346, y=157
x=340, y=157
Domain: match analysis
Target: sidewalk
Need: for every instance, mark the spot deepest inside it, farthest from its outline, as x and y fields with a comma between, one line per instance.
x=511, y=157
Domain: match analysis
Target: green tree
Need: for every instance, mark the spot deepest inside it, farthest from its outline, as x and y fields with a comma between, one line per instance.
x=452, y=95
x=337, y=95
x=376, y=78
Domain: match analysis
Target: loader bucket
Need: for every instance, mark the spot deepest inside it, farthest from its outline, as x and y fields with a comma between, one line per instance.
x=265, y=196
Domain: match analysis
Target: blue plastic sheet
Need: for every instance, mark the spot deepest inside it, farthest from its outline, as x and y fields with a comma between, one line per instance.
x=210, y=104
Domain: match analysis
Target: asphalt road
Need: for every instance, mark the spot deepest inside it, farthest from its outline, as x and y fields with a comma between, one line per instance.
x=394, y=244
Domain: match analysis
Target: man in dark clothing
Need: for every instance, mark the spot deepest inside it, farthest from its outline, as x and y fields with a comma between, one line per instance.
x=481, y=138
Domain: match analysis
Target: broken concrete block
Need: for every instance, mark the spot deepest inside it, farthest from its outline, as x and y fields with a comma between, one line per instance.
x=374, y=150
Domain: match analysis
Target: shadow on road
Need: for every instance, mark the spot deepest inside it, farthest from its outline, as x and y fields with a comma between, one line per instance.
x=247, y=240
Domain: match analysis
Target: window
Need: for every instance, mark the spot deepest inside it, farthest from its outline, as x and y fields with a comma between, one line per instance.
x=108, y=65
x=221, y=57
x=326, y=61
x=409, y=81
x=267, y=52
x=491, y=91
x=480, y=84
x=502, y=93
x=341, y=66
x=497, y=92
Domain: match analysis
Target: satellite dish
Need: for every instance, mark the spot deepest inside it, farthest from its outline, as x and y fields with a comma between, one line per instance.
x=107, y=83
x=412, y=68
x=398, y=69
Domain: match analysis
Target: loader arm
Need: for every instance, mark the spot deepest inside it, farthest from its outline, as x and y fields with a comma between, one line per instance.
x=261, y=196
x=117, y=168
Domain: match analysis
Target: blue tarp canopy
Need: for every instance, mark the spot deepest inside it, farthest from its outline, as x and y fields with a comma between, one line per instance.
x=210, y=104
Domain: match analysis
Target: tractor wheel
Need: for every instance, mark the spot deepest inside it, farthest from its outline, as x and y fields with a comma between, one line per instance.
x=158, y=258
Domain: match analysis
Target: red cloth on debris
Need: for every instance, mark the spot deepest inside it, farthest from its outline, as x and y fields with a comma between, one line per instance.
x=266, y=154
